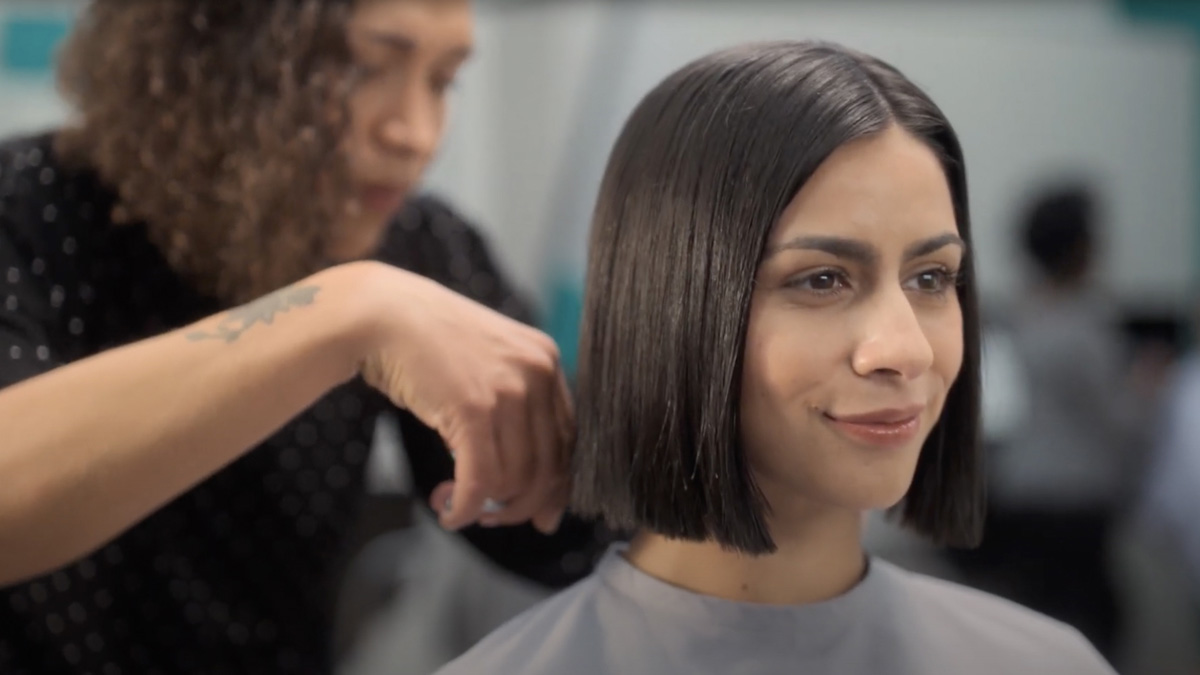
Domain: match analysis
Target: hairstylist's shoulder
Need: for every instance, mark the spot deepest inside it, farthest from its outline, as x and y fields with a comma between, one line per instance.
x=998, y=635
x=32, y=269
x=22, y=161
x=41, y=196
x=433, y=238
x=36, y=196
x=12, y=145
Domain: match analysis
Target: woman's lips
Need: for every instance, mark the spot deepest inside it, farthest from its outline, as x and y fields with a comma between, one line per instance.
x=884, y=428
x=383, y=199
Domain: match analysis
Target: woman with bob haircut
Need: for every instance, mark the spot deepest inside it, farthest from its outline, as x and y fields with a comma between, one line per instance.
x=781, y=333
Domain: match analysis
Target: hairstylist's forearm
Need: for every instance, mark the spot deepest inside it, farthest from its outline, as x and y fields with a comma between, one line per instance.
x=93, y=447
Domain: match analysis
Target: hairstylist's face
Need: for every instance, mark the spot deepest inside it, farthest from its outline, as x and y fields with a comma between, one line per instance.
x=409, y=53
x=855, y=331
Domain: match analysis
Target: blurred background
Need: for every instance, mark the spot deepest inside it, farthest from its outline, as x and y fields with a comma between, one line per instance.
x=1080, y=121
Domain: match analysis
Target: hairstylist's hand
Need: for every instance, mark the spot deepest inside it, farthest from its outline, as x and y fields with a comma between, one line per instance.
x=491, y=386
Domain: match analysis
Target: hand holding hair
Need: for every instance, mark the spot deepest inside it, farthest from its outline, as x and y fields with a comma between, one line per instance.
x=491, y=386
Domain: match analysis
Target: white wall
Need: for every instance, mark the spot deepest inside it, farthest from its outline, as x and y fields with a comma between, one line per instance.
x=1033, y=89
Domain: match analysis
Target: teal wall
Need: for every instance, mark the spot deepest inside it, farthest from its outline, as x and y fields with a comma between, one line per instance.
x=564, y=307
x=1184, y=13
x=28, y=40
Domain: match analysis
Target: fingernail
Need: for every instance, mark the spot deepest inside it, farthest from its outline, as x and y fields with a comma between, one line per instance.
x=548, y=527
x=447, y=506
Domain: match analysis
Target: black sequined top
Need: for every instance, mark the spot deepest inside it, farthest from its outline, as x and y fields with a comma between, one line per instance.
x=236, y=574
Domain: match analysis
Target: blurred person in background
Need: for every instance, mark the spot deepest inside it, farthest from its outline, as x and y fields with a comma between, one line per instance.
x=211, y=284
x=1059, y=483
x=1171, y=501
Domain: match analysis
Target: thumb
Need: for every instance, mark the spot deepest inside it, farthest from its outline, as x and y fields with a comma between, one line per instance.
x=440, y=497
x=548, y=519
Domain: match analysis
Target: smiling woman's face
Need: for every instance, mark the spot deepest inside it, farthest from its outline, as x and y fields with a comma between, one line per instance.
x=855, y=333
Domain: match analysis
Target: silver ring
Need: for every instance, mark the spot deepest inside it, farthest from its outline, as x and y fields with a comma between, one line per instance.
x=493, y=506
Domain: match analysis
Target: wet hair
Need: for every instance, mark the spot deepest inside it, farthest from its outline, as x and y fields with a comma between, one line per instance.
x=1057, y=232
x=217, y=124
x=700, y=174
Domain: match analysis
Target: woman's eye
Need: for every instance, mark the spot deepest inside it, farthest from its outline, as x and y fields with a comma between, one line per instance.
x=368, y=71
x=824, y=282
x=934, y=281
x=442, y=84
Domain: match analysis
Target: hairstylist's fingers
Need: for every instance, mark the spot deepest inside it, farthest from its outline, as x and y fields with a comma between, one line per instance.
x=517, y=450
x=441, y=496
x=552, y=512
x=545, y=469
x=564, y=410
x=562, y=407
x=550, y=516
x=476, y=467
x=517, y=465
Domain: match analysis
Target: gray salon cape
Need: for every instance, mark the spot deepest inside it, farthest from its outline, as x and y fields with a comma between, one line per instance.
x=894, y=622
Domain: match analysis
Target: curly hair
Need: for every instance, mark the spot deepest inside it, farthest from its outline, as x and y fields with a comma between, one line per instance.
x=217, y=123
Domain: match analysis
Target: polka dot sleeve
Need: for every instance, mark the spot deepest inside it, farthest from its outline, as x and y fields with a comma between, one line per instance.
x=29, y=303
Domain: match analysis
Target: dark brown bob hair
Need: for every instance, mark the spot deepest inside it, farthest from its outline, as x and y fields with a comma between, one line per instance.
x=699, y=176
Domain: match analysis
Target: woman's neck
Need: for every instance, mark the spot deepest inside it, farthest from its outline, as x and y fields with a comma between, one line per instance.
x=816, y=561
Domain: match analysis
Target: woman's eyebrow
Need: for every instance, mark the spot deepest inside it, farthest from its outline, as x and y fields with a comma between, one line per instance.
x=932, y=244
x=839, y=247
x=860, y=251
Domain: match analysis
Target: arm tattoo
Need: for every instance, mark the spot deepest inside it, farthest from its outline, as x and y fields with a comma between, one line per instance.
x=263, y=310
